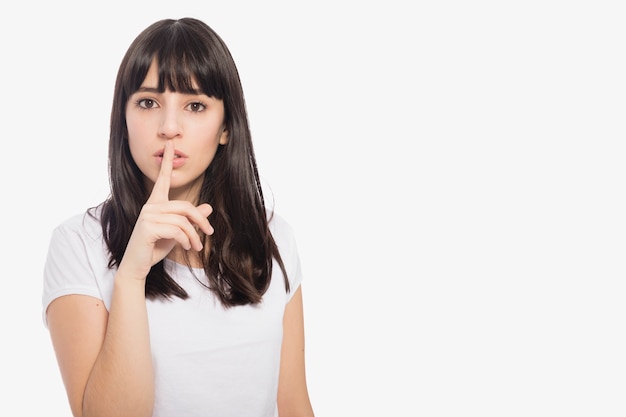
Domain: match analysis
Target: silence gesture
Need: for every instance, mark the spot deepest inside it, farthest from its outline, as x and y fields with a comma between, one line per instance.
x=164, y=223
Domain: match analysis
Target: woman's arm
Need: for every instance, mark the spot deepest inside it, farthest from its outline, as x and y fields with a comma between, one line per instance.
x=293, y=396
x=104, y=359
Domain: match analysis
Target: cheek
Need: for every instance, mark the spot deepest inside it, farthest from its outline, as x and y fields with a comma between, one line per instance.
x=210, y=148
x=132, y=141
x=131, y=127
x=135, y=136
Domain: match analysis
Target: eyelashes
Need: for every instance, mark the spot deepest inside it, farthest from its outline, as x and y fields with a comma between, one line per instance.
x=197, y=107
x=145, y=103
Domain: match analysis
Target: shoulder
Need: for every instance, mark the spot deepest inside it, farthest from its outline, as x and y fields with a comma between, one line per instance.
x=281, y=230
x=86, y=225
x=78, y=237
x=284, y=236
x=277, y=222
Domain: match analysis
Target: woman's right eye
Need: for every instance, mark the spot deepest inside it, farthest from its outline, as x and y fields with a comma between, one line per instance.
x=146, y=103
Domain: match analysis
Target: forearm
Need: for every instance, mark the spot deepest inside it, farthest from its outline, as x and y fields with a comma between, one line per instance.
x=121, y=382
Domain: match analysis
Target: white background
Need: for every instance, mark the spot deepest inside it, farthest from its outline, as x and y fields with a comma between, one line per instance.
x=454, y=172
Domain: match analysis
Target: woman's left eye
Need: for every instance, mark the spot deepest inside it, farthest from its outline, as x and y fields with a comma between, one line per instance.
x=196, y=107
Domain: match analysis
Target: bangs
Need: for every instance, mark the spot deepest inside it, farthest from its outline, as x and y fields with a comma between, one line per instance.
x=186, y=64
x=185, y=74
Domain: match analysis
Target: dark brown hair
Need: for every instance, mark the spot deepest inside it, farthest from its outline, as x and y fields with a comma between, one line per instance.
x=239, y=265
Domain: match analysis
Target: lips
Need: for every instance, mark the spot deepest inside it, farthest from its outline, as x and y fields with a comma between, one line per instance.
x=180, y=158
x=177, y=154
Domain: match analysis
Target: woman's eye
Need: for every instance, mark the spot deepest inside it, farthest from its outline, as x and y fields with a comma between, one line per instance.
x=146, y=103
x=196, y=107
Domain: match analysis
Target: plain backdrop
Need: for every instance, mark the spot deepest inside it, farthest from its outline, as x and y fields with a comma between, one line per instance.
x=454, y=172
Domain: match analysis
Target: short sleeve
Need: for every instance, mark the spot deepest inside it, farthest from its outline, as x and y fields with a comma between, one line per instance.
x=69, y=265
x=286, y=241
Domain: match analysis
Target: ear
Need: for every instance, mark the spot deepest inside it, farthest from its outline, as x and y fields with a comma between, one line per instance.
x=224, y=137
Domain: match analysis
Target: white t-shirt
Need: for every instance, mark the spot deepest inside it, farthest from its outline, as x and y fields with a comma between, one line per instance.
x=208, y=360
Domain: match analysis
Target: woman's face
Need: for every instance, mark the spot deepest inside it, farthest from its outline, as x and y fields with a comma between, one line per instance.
x=193, y=122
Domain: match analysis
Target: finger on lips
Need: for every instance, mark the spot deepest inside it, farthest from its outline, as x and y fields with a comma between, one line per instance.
x=161, y=188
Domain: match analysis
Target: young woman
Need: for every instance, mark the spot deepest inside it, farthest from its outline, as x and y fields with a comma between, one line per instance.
x=179, y=295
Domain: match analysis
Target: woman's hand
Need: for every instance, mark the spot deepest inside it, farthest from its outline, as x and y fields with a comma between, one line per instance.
x=163, y=223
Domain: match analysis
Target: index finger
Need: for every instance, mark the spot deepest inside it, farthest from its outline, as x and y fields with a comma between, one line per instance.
x=161, y=189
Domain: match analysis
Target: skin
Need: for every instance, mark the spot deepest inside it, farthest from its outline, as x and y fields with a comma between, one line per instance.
x=105, y=356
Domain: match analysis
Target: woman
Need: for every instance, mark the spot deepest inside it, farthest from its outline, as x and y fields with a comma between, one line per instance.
x=179, y=295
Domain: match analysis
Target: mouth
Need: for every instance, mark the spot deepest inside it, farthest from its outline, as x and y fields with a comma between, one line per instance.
x=177, y=154
x=180, y=159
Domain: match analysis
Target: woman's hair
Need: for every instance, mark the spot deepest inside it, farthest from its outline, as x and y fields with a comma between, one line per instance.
x=239, y=265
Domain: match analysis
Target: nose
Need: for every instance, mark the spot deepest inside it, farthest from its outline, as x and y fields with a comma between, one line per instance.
x=170, y=125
